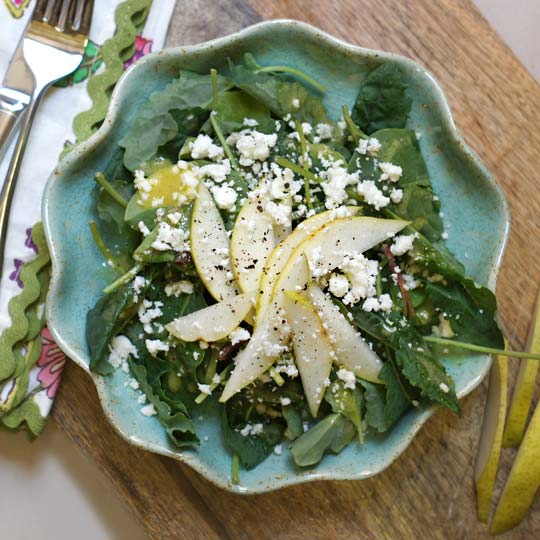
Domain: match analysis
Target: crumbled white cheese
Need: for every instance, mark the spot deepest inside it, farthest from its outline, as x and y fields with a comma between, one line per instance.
x=348, y=378
x=282, y=182
x=444, y=235
x=179, y=287
x=396, y=195
x=250, y=122
x=254, y=146
x=402, y=244
x=149, y=410
x=225, y=197
x=133, y=384
x=324, y=131
x=278, y=449
x=204, y=147
x=383, y=303
x=217, y=172
x=361, y=273
x=285, y=401
x=239, y=334
x=372, y=194
x=143, y=228
x=390, y=171
x=369, y=146
x=120, y=349
x=204, y=389
x=139, y=282
x=337, y=179
x=444, y=387
x=251, y=429
x=154, y=346
x=296, y=103
x=338, y=285
x=280, y=213
x=170, y=238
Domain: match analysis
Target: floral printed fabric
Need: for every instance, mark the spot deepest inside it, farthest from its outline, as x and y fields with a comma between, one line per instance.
x=27, y=394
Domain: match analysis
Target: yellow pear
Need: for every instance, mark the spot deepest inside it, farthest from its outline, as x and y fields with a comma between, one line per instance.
x=524, y=388
x=523, y=481
x=489, y=449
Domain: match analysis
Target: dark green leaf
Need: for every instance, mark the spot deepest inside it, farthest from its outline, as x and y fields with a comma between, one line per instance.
x=176, y=421
x=293, y=417
x=382, y=101
x=346, y=401
x=167, y=113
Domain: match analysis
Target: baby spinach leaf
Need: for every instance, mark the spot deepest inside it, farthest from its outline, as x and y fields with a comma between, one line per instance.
x=278, y=94
x=104, y=321
x=332, y=433
x=176, y=109
x=176, y=420
x=348, y=402
x=382, y=101
x=234, y=106
x=293, y=417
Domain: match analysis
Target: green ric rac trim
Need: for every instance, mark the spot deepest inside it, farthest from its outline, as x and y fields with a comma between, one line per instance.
x=27, y=412
x=129, y=16
x=19, y=304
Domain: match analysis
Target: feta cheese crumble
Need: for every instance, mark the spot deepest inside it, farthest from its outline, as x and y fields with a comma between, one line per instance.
x=390, y=171
x=225, y=197
x=179, y=287
x=204, y=147
x=239, y=334
x=120, y=349
x=338, y=285
x=348, y=378
x=149, y=410
x=402, y=244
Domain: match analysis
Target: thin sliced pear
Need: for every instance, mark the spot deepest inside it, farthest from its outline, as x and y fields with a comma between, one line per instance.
x=252, y=240
x=354, y=234
x=525, y=383
x=282, y=252
x=210, y=247
x=214, y=322
x=352, y=350
x=489, y=449
x=523, y=481
x=313, y=351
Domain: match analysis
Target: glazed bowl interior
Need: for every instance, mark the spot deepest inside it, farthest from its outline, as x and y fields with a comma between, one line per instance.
x=475, y=217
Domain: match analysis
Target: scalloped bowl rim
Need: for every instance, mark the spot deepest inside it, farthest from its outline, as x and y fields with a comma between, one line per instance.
x=102, y=133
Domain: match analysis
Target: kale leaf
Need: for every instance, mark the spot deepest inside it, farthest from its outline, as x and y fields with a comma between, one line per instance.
x=382, y=101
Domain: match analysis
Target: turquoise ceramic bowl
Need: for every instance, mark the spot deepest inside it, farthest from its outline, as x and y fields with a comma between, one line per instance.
x=475, y=214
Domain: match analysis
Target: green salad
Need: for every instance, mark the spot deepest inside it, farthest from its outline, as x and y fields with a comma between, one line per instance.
x=287, y=266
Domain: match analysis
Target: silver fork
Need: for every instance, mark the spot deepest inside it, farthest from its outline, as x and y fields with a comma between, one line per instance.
x=51, y=48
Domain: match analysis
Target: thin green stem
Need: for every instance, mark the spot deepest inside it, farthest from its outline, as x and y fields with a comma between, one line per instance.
x=107, y=186
x=278, y=379
x=215, y=89
x=356, y=132
x=213, y=385
x=235, y=469
x=226, y=147
x=293, y=71
x=378, y=283
x=212, y=366
x=105, y=251
x=125, y=278
x=284, y=162
x=479, y=348
x=303, y=149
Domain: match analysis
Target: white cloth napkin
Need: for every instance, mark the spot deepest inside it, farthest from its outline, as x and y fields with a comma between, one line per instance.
x=51, y=128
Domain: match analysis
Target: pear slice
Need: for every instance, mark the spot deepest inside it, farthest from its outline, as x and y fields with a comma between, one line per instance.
x=352, y=350
x=523, y=481
x=524, y=388
x=331, y=242
x=312, y=348
x=252, y=239
x=489, y=449
x=282, y=252
x=214, y=322
x=210, y=247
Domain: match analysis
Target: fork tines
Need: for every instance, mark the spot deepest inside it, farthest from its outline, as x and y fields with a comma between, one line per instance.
x=65, y=15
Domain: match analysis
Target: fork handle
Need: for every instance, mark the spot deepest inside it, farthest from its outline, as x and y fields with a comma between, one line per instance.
x=12, y=105
x=8, y=187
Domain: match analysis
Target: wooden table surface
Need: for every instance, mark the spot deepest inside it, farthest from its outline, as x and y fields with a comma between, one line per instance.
x=428, y=492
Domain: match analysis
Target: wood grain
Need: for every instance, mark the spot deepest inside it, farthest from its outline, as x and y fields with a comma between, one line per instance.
x=428, y=492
